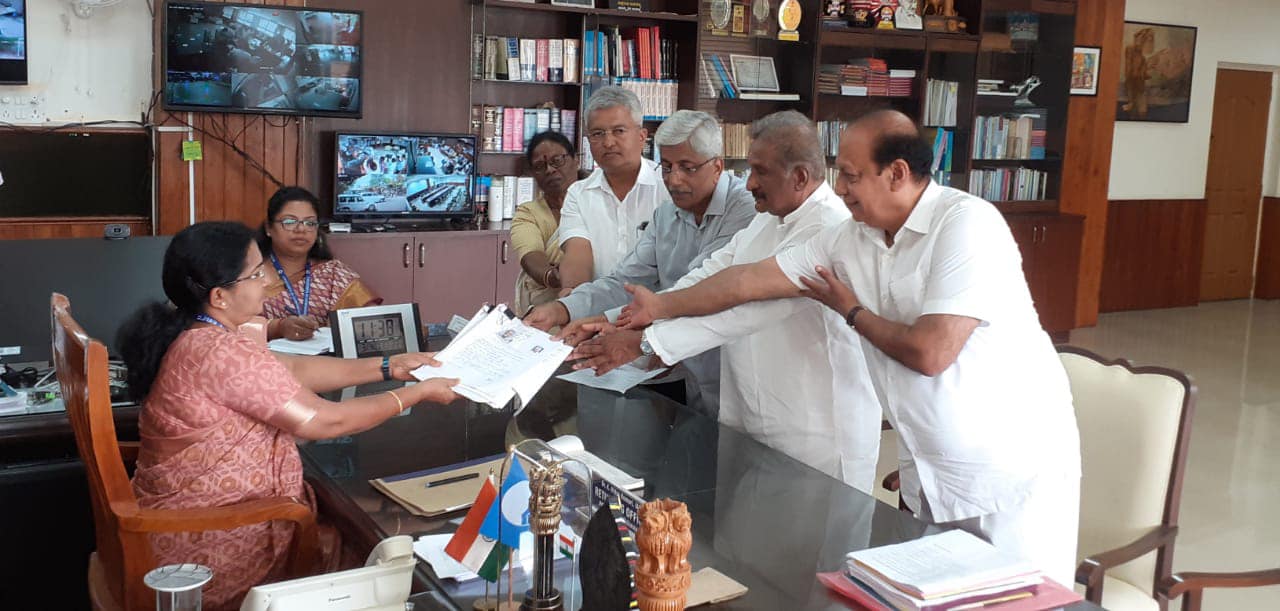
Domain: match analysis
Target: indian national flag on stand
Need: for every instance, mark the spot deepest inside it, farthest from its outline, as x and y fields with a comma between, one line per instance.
x=481, y=554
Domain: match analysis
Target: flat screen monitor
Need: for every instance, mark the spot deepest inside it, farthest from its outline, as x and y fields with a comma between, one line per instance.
x=262, y=59
x=404, y=175
x=13, y=42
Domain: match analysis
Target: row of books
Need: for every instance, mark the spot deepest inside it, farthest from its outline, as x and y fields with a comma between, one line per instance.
x=639, y=52
x=1008, y=184
x=944, y=144
x=1016, y=135
x=940, y=101
x=866, y=76
x=499, y=195
x=658, y=99
x=505, y=129
x=737, y=140
x=540, y=60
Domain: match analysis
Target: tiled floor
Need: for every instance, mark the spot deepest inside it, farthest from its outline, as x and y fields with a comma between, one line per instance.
x=1230, y=517
x=1231, y=495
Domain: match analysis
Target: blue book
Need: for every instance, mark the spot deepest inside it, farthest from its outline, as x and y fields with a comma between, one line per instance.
x=729, y=91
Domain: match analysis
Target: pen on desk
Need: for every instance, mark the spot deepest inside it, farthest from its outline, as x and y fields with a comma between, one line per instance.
x=451, y=480
x=993, y=601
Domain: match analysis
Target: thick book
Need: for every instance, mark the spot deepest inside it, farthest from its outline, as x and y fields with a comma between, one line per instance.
x=571, y=60
x=555, y=60
x=542, y=59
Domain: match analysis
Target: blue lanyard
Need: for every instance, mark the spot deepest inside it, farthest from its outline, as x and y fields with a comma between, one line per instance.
x=202, y=317
x=298, y=308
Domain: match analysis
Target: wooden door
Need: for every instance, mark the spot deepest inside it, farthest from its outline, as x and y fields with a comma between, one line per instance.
x=1233, y=187
x=508, y=271
x=454, y=273
x=1057, y=268
x=383, y=260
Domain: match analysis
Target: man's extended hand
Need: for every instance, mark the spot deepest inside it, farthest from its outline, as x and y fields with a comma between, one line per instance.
x=644, y=309
x=830, y=291
x=608, y=351
x=583, y=329
x=547, y=315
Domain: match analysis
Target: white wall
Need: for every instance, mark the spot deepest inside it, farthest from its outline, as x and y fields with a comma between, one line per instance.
x=1169, y=160
x=83, y=69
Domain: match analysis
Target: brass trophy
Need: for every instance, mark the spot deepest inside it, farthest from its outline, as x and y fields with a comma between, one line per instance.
x=546, y=494
x=663, y=574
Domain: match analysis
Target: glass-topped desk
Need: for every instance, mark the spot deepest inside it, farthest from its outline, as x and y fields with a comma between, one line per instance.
x=759, y=516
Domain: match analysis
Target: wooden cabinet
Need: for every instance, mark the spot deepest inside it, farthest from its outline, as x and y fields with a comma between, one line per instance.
x=1050, y=245
x=445, y=272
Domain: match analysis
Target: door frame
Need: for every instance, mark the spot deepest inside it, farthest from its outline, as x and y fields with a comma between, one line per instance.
x=1270, y=173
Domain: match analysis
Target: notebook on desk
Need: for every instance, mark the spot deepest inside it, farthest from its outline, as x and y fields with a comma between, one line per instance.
x=432, y=492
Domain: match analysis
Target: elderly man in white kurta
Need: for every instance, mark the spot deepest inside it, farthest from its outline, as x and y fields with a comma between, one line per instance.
x=954, y=346
x=792, y=374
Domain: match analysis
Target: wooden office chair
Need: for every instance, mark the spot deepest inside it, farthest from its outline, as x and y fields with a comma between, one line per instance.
x=1135, y=423
x=123, y=555
x=1191, y=586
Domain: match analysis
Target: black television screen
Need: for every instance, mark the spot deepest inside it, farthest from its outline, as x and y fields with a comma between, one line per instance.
x=404, y=175
x=262, y=59
x=13, y=42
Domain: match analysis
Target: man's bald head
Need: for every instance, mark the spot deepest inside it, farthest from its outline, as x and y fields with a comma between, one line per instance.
x=892, y=135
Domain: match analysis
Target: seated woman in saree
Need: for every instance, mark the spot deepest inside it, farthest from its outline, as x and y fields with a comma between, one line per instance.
x=221, y=414
x=304, y=281
x=533, y=230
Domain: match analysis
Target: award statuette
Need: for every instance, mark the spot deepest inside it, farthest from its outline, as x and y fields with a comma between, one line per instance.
x=739, y=20
x=760, y=17
x=789, y=14
x=546, y=494
x=718, y=14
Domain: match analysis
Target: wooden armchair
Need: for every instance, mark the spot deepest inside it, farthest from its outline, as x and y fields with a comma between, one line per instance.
x=123, y=555
x=1191, y=586
x=1135, y=423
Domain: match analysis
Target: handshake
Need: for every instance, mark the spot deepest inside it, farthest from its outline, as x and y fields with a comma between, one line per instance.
x=598, y=343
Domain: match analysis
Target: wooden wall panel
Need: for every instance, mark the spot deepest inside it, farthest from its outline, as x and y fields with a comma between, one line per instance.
x=78, y=227
x=1267, y=272
x=1153, y=254
x=1086, y=167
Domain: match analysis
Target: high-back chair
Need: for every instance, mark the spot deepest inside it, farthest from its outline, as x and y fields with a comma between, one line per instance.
x=123, y=555
x=1135, y=424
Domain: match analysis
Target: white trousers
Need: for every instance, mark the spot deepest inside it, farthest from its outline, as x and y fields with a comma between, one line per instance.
x=1043, y=529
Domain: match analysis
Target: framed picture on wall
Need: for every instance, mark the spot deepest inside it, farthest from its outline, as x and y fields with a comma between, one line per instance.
x=1084, y=70
x=1155, y=82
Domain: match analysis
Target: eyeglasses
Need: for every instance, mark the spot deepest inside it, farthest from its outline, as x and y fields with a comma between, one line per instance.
x=554, y=162
x=258, y=273
x=597, y=135
x=291, y=224
x=687, y=170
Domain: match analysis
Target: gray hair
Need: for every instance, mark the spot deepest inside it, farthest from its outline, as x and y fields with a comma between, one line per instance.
x=795, y=140
x=613, y=97
x=698, y=128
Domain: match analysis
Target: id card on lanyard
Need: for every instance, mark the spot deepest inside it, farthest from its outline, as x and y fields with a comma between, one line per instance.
x=300, y=308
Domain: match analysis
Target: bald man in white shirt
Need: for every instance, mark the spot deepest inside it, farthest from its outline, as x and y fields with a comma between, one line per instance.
x=968, y=378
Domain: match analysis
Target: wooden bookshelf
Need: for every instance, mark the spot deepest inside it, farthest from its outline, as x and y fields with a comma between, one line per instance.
x=600, y=12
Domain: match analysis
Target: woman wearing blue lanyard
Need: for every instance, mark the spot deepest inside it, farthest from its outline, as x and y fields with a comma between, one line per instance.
x=305, y=282
x=221, y=413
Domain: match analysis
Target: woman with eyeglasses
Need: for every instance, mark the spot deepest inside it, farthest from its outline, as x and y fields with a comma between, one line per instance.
x=552, y=158
x=304, y=281
x=221, y=413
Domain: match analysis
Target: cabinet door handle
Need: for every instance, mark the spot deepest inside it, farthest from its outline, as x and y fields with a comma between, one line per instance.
x=504, y=252
x=1044, y=229
x=405, y=257
x=422, y=254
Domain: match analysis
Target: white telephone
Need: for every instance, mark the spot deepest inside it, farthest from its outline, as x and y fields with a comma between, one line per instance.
x=383, y=584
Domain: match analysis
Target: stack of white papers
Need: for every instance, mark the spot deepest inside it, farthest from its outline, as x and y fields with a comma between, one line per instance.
x=319, y=343
x=943, y=571
x=497, y=357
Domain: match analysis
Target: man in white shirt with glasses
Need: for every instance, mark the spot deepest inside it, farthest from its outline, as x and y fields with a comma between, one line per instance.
x=605, y=213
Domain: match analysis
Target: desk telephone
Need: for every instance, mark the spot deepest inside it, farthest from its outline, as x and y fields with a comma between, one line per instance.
x=383, y=584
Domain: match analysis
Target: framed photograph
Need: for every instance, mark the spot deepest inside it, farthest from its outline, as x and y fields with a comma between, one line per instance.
x=754, y=72
x=1155, y=82
x=1084, y=70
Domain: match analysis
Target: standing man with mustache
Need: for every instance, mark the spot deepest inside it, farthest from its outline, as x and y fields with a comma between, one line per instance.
x=708, y=207
x=792, y=373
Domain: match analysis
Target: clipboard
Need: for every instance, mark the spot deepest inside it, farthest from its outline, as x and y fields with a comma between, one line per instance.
x=410, y=490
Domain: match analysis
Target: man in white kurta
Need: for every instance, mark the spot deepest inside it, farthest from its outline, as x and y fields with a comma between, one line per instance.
x=792, y=373
x=954, y=346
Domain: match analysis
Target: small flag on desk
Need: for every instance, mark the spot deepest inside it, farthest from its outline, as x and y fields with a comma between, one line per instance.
x=509, y=517
x=484, y=555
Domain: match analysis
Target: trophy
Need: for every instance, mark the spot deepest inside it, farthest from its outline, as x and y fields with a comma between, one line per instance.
x=663, y=574
x=546, y=493
x=1024, y=91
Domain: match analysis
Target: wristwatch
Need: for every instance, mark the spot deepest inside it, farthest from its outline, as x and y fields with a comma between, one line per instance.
x=645, y=348
x=848, y=319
